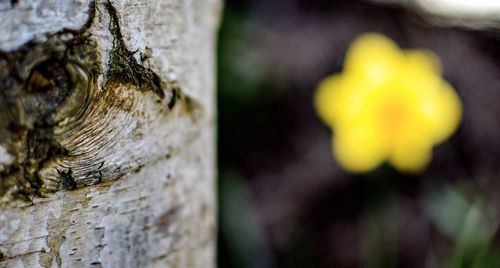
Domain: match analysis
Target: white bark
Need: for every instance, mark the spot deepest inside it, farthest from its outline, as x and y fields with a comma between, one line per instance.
x=159, y=210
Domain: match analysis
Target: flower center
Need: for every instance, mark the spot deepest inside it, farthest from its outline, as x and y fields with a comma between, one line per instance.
x=394, y=114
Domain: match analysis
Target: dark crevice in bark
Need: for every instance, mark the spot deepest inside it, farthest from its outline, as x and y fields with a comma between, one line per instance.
x=123, y=67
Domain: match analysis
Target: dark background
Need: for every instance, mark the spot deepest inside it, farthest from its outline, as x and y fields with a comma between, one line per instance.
x=284, y=202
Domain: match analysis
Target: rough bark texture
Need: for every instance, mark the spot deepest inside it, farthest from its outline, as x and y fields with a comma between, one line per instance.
x=107, y=133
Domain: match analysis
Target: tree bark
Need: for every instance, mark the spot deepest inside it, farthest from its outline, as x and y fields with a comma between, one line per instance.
x=107, y=133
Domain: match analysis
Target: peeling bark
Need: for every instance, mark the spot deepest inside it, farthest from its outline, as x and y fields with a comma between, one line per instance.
x=106, y=133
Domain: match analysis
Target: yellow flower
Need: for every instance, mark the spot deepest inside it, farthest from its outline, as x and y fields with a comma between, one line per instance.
x=389, y=105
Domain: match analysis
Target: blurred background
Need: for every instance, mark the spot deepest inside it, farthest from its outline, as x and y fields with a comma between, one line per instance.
x=285, y=202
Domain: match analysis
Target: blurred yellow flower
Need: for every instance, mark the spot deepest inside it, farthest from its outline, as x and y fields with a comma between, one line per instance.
x=388, y=104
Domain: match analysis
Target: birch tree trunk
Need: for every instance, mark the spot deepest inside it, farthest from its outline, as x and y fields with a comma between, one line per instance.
x=107, y=133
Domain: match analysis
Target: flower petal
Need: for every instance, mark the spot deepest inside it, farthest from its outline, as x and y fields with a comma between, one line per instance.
x=373, y=57
x=423, y=61
x=325, y=98
x=448, y=113
x=411, y=153
x=359, y=148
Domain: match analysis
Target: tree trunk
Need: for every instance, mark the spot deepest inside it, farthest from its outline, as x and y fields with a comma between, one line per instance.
x=107, y=133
